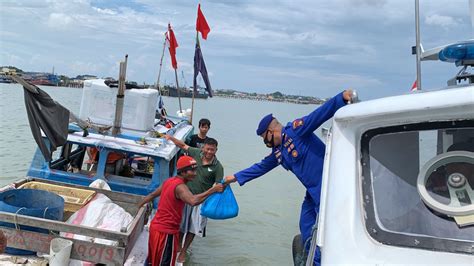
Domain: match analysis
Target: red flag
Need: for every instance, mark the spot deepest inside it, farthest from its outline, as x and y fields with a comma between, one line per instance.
x=173, y=44
x=201, y=24
x=413, y=87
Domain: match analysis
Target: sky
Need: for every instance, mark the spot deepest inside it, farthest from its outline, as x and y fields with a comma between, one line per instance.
x=304, y=47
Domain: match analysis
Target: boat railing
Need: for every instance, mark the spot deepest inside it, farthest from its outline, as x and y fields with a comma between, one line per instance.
x=108, y=254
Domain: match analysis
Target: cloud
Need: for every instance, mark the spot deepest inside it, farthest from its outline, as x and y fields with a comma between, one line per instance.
x=376, y=3
x=85, y=67
x=11, y=58
x=105, y=11
x=443, y=21
x=59, y=20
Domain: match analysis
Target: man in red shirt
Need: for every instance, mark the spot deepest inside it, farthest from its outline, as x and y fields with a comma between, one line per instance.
x=163, y=242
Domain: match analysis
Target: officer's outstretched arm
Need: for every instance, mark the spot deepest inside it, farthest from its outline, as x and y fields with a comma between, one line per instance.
x=229, y=179
x=308, y=124
x=257, y=170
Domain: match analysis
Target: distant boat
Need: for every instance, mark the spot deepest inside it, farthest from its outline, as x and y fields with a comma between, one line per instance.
x=187, y=93
x=42, y=82
x=128, y=85
x=43, y=79
x=4, y=79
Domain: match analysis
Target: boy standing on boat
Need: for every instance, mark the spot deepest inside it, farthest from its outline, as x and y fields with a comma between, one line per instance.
x=209, y=172
x=297, y=149
x=163, y=242
x=197, y=140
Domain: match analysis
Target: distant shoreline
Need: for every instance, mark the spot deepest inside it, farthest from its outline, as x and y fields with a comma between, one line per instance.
x=262, y=99
x=244, y=96
x=51, y=79
x=271, y=97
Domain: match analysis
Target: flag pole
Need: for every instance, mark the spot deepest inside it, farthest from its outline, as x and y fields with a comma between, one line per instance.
x=177, y=88
x=173, y=44
x=120, y=98
x=194, y=86
x=161, y=64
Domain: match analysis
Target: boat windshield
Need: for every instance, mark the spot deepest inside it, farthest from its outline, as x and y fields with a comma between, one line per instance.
x=410, y=197
x=84, y=160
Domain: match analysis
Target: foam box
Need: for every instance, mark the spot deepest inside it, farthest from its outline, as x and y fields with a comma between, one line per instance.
x=99, y=100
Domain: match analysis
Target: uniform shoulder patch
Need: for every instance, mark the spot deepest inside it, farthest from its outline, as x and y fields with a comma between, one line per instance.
x=297, y=123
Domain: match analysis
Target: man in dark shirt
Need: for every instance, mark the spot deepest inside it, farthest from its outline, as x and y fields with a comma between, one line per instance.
x=197, y=140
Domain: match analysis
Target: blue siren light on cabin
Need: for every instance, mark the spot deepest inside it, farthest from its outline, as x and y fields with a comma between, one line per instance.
x=457, y=52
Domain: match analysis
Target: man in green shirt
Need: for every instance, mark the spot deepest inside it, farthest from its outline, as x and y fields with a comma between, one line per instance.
x=209, y=172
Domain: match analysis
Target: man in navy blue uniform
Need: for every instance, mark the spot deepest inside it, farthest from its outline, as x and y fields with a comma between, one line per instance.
x=299, y=150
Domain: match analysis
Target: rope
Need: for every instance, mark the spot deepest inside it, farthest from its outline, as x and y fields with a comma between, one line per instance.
x=17, y=227
x=44, y=213
x=51, y=232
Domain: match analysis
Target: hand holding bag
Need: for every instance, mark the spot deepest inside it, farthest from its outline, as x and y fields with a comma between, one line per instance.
x=220, y=206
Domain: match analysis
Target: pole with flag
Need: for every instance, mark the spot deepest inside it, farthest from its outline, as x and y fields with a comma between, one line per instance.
x=173, y=44
x=199, y=64
x=160, y=102
x=161, y=65
x=120, y=98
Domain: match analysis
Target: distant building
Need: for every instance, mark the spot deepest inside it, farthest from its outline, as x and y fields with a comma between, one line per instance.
x=86, y=77
x=236, y=93
x=7, y=70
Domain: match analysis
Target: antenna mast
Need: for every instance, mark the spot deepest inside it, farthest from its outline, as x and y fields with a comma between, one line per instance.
x=418, y=46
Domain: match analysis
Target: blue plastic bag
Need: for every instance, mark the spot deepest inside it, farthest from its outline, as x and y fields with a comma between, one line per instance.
x=220, y=206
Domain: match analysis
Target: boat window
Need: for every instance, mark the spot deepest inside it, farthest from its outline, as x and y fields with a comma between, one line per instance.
x=139, y=166
x=418, y=185
x=56, y=155
x=131, y=168
x=115, y=164
x=69, y=157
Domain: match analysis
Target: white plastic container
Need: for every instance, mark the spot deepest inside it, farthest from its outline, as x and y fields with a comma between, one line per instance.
x=98, y=105
x=60, y=252
x=184, y=113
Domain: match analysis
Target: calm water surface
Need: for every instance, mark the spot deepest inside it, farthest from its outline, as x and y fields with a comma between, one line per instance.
x=269, y=206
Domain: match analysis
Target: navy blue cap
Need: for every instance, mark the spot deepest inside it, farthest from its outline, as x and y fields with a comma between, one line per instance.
x=264, y=123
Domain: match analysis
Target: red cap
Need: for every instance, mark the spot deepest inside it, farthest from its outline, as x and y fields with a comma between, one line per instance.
x=185, y=162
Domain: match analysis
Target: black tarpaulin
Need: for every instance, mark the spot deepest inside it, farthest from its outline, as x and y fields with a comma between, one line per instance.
x=46, y=114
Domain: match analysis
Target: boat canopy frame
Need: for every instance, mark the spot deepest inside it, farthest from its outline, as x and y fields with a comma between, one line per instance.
x=163, y=153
